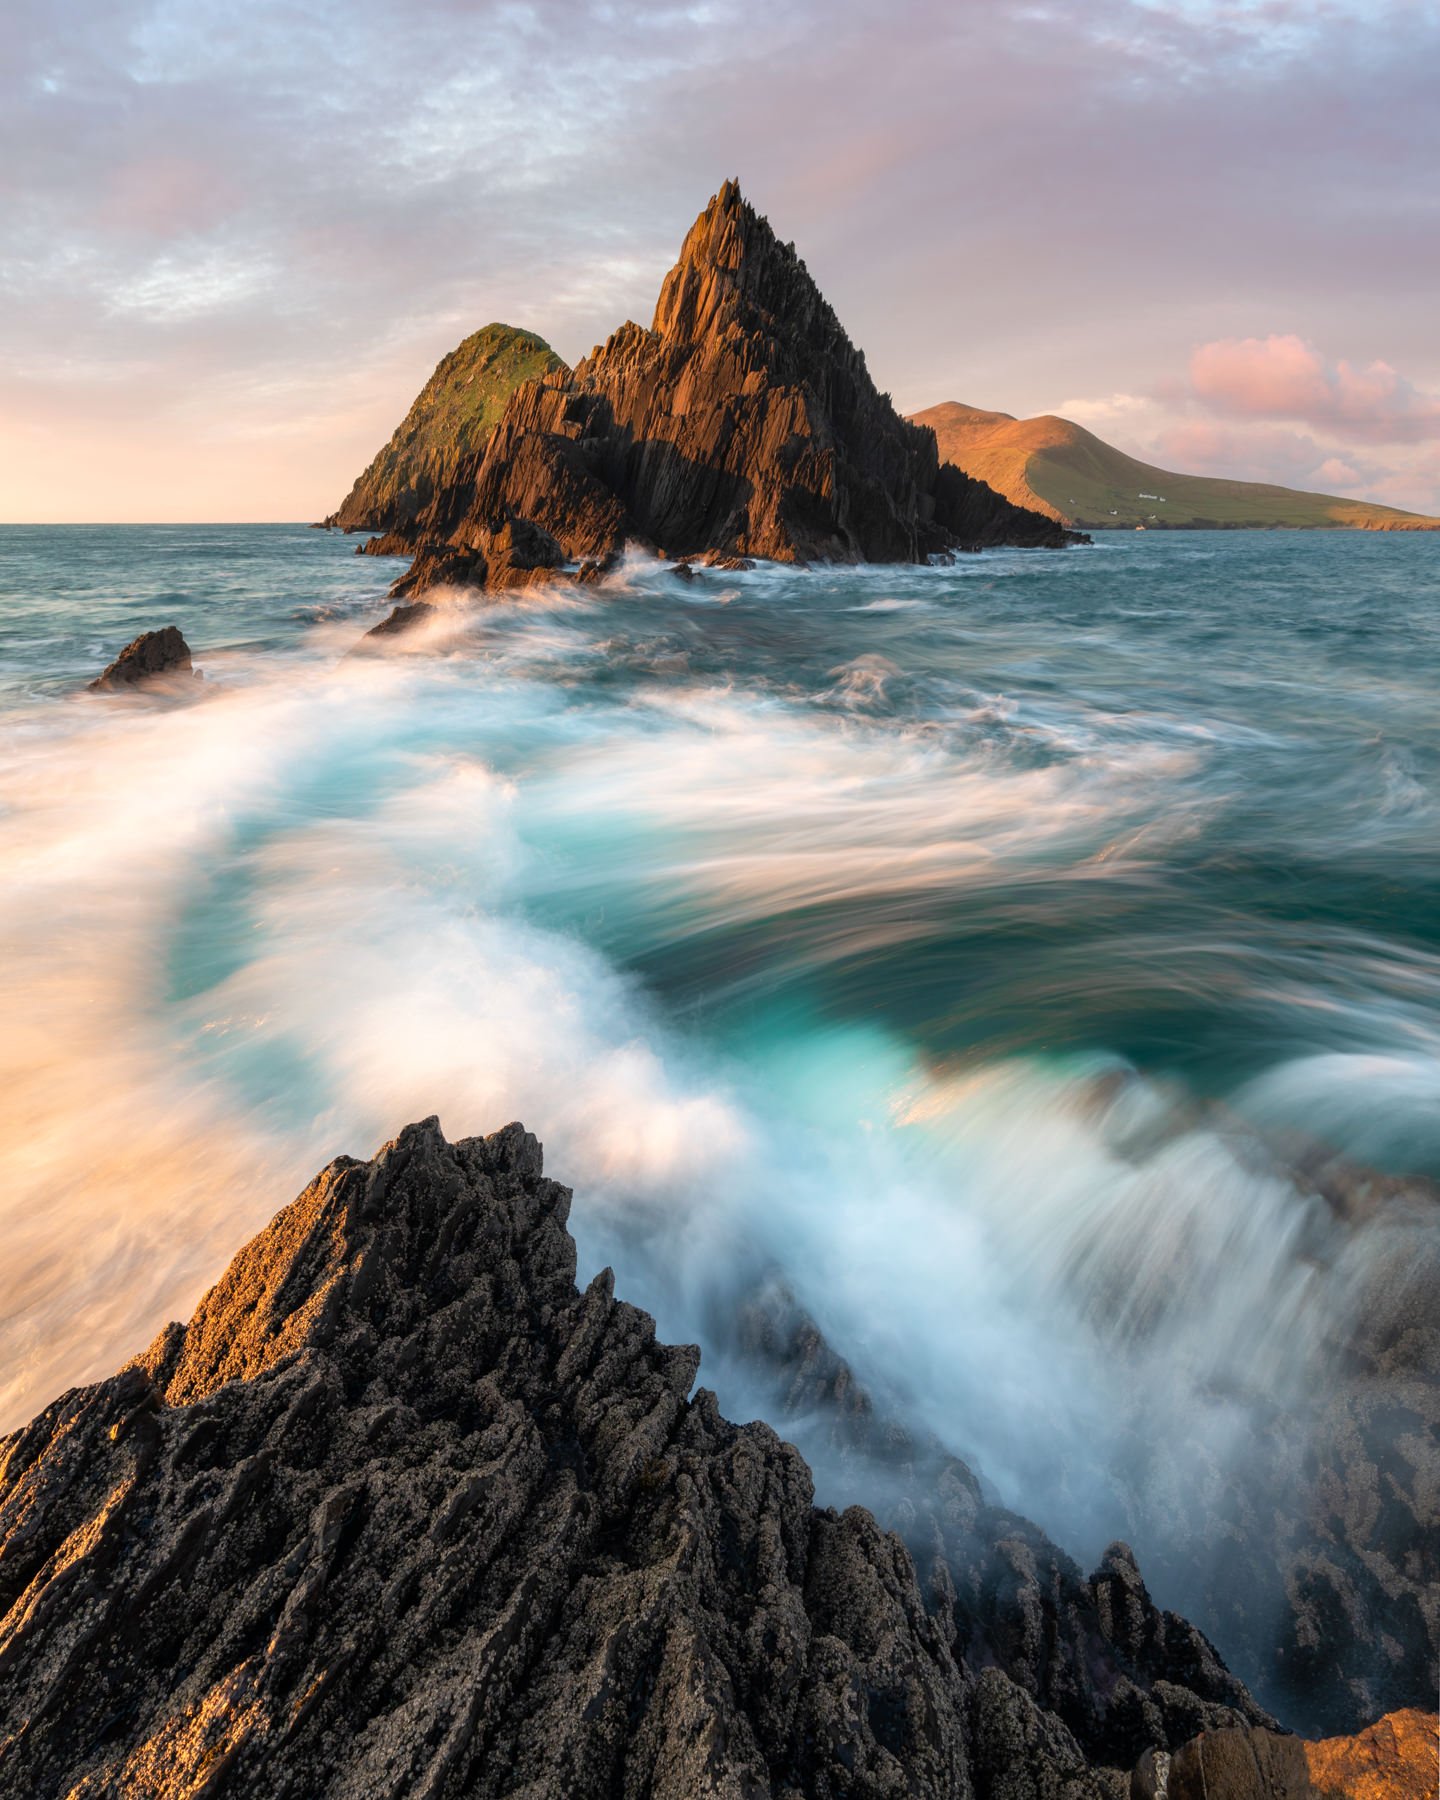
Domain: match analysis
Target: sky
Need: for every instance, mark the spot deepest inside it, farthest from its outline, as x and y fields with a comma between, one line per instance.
x=236, y=235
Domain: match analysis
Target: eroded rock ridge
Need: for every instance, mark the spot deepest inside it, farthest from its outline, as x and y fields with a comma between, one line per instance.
x=402, y=1511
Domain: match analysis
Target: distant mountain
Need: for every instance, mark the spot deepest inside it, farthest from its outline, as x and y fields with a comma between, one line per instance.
x=446, y=429
x=742, y=423
x=1059, y=468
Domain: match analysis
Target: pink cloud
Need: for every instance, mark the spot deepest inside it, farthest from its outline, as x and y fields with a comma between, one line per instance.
x=1407, y=476
x=1336, y=472
x=1238, y=453
x=1284, y=377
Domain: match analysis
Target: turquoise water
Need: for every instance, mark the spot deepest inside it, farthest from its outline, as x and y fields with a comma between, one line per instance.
x=989, y=952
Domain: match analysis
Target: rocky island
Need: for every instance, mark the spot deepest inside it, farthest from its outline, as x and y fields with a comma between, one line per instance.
x=743, y=423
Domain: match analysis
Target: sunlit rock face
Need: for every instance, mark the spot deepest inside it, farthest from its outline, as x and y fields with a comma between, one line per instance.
x=742, y=423
x=402, y=1511
x=441, y=439
x=1393, y=1759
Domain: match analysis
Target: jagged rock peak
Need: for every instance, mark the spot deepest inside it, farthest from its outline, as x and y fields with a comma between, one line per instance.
x=732, y=261
x=401, y=1511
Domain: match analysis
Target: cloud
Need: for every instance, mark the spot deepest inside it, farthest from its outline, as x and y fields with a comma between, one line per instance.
x=1335, y=472
x=1272, y=453
x=1284, y=377
x=1111, y=412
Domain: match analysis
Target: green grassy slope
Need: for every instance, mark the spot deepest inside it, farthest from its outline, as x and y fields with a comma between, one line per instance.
x=453, y=416
x=1069, y=473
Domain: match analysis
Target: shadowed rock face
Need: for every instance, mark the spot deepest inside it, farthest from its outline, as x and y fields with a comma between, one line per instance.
x=742, y=423
x=402, y=1512
x=153, y=656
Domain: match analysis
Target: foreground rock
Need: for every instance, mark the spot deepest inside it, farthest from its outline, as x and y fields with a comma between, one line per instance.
x=743, y=423
x=154, y=656
x=1395, y=1759
x=402, y=1512
x=1398, y=1758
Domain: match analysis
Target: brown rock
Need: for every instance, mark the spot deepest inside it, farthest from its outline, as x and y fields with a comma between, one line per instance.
x=1394, y=1759
x=440, y=440
x=1241, y=1764
x=154, y=656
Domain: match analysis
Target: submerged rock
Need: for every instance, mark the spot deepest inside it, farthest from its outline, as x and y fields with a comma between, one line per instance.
x=153, y=656
x=743, y=423
x=401, y=1511
x=401, y=619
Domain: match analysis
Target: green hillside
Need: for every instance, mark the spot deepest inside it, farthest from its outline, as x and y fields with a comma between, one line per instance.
x=453, y=416
x=1064, y=470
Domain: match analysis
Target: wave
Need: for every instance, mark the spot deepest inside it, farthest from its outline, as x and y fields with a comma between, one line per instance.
x=704, y=934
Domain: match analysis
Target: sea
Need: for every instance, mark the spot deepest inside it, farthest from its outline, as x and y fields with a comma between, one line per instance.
x=989, y=954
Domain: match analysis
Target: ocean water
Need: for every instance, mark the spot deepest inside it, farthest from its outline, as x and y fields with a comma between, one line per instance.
x=987, y=953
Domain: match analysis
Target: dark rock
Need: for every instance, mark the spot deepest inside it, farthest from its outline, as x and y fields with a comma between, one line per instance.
x=682, y=571
x=399, y=620
x=519, y=554
x=1095, y=1653
x=387, y=543
x=742, y=423
x=153, y=656
x=1316, y=1559
x=437, y=566
x=401, y=1511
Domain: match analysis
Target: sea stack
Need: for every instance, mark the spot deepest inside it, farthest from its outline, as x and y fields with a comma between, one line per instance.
x=742, y=423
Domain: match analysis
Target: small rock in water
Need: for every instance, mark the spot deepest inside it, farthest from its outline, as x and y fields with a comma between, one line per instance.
x=153, y=656
x=683, y=572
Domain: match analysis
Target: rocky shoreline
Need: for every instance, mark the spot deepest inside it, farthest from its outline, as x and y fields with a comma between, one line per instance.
x=403, y=1511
